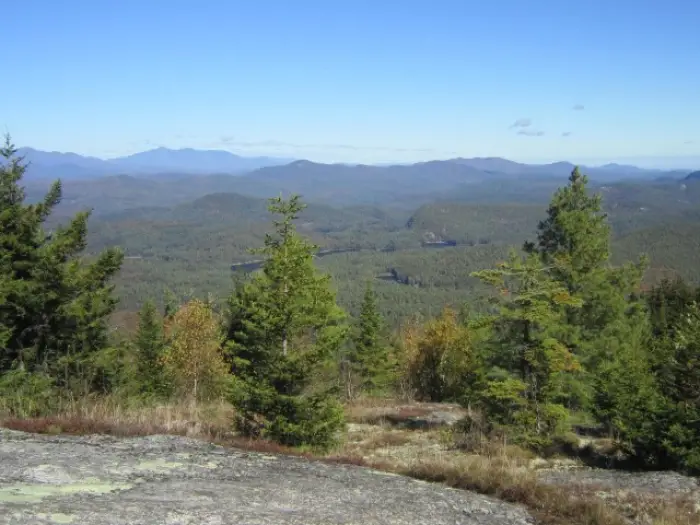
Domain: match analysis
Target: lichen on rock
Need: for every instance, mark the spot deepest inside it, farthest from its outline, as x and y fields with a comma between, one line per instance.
x=99, y=480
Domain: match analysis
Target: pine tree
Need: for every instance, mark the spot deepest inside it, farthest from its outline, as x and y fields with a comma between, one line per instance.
x=662, y=429
x=150, y=346
x=575, y=233
x=532, y=360
x=284, y=325
x=574, y=243
x=681, y=434
x=55, y=302
x=369, y=358
x=668, y=302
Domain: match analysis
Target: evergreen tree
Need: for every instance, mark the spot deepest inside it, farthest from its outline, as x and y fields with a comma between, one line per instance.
x=668, y=302
x=663, y=431
x=575, y=234
x=55, y=303
x=681, y=433
x=150, y=345
x=528, y=360
x=573, y=242
x=369, y=358
x=284, y=326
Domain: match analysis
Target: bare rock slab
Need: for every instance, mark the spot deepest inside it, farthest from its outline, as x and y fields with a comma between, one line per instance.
x=100, y=480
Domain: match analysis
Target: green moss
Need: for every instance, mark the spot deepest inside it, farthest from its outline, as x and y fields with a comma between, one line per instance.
x=158, y=465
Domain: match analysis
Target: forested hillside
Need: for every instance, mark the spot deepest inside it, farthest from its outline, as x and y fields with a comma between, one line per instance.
x=673, y=249
x=528, y=335
x=419, y=259
x=539, y=325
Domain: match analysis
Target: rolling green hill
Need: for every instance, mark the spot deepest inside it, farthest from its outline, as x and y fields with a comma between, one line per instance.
x=477, y=223
x=191, y=244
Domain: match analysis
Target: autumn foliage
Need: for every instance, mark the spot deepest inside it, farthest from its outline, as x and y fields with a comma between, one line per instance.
x=193, y=356
x=437, y=357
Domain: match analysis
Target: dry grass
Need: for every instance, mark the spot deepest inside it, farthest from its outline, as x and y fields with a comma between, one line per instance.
x=668, y=509
x=109, y=416
x=386, y=440
x=549, y=505
x=499, y=472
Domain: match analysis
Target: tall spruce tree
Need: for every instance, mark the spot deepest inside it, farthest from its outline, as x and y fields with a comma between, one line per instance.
x=150, y=347
x=680, y=436
x=369, y=358
x=574, y=243
x=528, y=361
x=575, y=233
x=668, y=302
x=284, y=325
x=665, y=432
x=55, y=303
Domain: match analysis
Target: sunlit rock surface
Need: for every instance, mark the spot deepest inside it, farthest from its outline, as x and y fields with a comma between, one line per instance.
x=169, y=480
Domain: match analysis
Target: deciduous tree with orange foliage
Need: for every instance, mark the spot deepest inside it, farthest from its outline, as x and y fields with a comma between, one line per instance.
x=439, y=362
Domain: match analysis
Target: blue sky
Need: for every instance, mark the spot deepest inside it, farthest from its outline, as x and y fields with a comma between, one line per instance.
x=357, y=80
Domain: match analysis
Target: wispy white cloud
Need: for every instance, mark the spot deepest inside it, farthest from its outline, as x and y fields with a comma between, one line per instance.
x=521, y=123
x=531, y=133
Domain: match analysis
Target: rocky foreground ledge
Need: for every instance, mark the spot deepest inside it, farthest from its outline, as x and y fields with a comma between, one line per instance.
x=100, y=480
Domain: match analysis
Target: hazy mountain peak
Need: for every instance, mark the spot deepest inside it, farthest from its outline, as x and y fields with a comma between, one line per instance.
x=167, y=163
x=35, y=155
x=52, y=164
x=303, y=163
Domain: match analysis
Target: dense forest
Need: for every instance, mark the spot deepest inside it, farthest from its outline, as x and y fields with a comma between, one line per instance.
x=419, y=259
x=531, y=316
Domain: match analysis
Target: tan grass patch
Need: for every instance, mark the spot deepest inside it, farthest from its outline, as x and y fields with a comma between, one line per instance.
x=109, y=416
x=501, y=479
x=385, y=439
x=665, y=509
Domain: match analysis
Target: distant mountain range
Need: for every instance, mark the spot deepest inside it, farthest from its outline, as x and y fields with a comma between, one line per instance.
x=45, y=164
x=164, y=177
x=53, y=164
x=400, y=187
x=557, y=169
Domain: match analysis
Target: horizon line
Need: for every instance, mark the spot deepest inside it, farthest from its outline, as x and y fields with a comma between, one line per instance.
x=590, y=162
